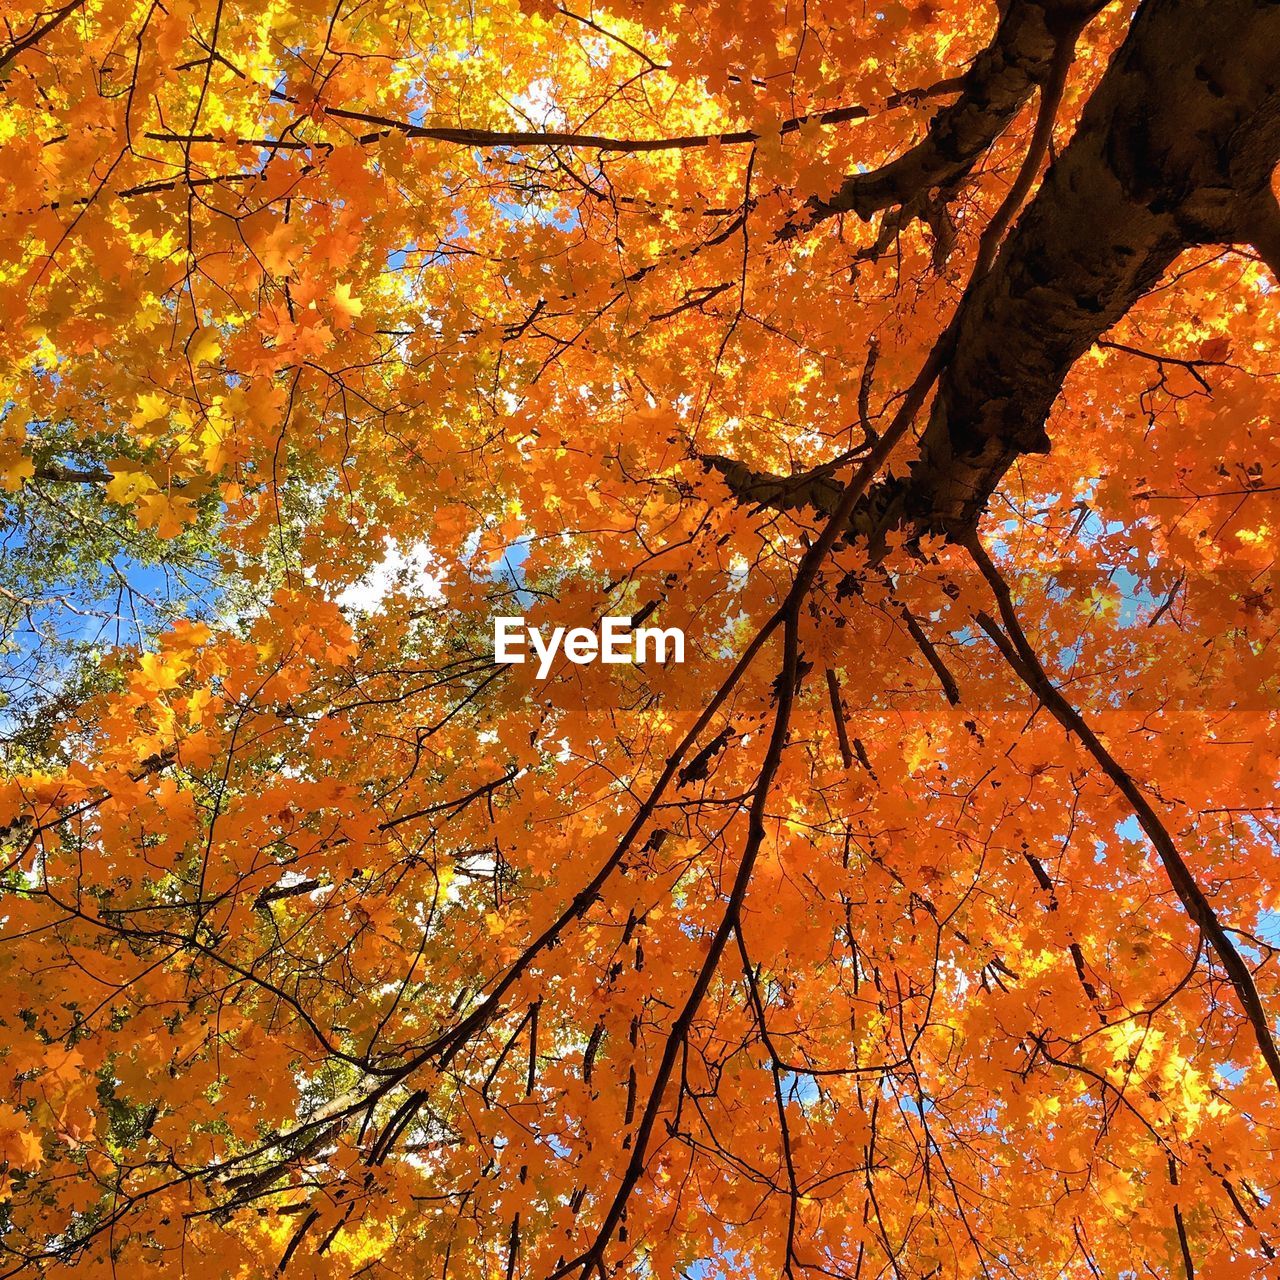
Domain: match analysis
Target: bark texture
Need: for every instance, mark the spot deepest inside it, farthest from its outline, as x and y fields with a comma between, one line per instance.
x=993, y=90
x=1175, y=148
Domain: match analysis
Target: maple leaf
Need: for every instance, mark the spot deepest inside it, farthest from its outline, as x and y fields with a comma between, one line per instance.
x=15, y=468
x=20, y=1145
x=204, y=346
x=127, y=486
x=346, y=307
x=167, y=513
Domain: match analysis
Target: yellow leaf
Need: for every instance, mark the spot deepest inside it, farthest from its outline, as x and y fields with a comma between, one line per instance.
x=204, y=346
x=126, y=486
x=159, y=673
x=346, y=306
x=14, y=472
x=165, y=513
x=151, y=407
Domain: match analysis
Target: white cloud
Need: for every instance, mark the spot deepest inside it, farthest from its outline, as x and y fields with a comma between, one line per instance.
x=413, y=569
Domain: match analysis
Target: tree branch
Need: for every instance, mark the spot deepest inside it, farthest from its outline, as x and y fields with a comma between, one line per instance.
x=992, y=92
x=1175, y=149
x=1021, y=656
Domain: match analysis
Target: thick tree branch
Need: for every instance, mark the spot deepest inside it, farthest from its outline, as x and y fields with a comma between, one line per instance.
x=56, y=473
x=1019, y=653
x=997, y=85
x=485, y=139
x=1175, y=149
x=38, y=33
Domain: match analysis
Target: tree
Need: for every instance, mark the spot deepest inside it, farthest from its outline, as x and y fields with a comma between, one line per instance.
x=916, y=362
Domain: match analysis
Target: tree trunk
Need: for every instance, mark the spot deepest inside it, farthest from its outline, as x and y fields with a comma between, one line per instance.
x=1175, y=148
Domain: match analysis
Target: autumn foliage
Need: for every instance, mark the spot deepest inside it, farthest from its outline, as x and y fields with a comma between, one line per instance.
x=918, y=361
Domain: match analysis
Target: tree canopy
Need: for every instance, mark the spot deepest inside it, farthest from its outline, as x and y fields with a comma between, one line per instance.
x=917, y=360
